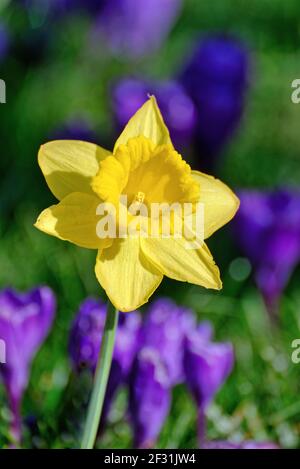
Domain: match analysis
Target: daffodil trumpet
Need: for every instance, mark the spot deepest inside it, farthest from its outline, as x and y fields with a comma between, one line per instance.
x=145, y=168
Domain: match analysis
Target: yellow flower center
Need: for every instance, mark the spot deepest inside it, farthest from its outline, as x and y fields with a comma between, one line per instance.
x=140, y=196
x=146, y=174
x=138, y=201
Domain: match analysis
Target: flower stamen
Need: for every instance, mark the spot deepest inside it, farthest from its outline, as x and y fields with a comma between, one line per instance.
x=139, y=197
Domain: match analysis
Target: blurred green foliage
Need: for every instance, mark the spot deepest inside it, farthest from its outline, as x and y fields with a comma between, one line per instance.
x=261, y=398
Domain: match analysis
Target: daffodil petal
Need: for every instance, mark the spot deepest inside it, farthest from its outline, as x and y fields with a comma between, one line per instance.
x=147, y=122
x=126, y=275
x=74, y=219
x=70, y=165
x=172, y=258
x=220, y=203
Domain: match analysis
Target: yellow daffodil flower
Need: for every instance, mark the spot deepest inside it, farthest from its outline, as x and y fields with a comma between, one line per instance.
x=143, y=166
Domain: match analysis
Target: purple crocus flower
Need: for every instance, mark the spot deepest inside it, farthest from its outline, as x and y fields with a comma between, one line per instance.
x=176, y=106
x=92, y=6
x=4, y=42
x=86, y=334
x=128, y=95
x=136, y=28
x=165, y=329
x=149, y=397
x=267, y=229
x=74, y=129
x=85, y=342
x=52, y=8
x=243, y=445
x=207, y=366
x=216, y=78
x=178, y=110
x=158, y=367
x=25, y=321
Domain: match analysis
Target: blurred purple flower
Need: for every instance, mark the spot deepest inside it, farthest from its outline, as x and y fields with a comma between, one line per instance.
x=4, y=42
x=267, y=227
x=136, y=28
x=207, y=365
x=86, y=334
x=158, y=367
x=74, y=129
x=25, y=320
x=243, y=445
x=216, y=78
x=128, y=96
x=176, y=106
x=178, y=110
x=52, y=8
x=85, y=342
x=149, y=397
x=91, y=6
x=165, y=329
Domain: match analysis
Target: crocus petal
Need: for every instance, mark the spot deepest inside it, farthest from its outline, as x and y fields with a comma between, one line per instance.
x=149, y=397
x=205, y=330
x=4, y=42
x=207, y=365
x=128, y=278
x=172, y=258
x=133, y=29
x=25, y=321
x=220, y=203
x=255, y=216
x=273, y=219
x=74, y=129
x=147, y=122
x=69, y=165
x=74, y=219
x=177, y=108
x=165, y=328
x=35, y=327
x=216, y=78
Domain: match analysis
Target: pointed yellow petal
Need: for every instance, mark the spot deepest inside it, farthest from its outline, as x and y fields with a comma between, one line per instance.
x=147, y=122
x=74, y=219
x=172, y=258
x=126, y=275
x=70, y=165
x=220, y=203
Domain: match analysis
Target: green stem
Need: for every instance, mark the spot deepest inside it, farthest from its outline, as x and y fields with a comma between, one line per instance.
x=101, y=379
